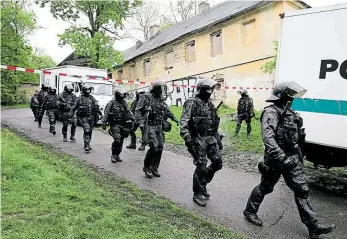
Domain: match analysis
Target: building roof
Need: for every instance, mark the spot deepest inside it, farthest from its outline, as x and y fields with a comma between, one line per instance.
x=214, y=15
x=217, y=14
x=75, y=60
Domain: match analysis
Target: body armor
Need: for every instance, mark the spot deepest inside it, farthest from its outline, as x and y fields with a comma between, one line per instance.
x=51, y=102
x=204, y=119
x=86, y=106
x=156, y=110
x=68, y=100
x=244, y=105
x=118, y=112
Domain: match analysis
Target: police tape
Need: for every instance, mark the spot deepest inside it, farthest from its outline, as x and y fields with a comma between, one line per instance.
x=175, y=85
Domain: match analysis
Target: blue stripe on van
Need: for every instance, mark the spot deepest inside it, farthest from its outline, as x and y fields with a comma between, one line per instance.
x=335, y=107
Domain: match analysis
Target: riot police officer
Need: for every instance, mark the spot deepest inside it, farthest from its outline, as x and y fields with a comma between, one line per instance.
x=40, y=96
x=199, y=129
x=50, y=105
x=244, y=112
x=281, y=129
x=150, y=113
x=67, y=99
x=87, y=110
x=34, y=105
x=132, y=144
x=120, y=119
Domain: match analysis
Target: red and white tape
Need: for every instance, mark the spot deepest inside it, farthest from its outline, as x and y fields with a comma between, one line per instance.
x=143, y=83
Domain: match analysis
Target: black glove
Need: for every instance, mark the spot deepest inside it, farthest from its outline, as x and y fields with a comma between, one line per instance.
x=189, y=143
x=290, y=162
x=176, y=121
x=103, y=126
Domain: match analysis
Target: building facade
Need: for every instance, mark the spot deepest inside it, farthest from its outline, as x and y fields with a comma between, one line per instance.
x=231, y=48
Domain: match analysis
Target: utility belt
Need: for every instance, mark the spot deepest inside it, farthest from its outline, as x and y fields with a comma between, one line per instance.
x=154, y=122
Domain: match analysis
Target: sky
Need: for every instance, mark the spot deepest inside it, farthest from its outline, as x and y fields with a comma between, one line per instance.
x=46, y=38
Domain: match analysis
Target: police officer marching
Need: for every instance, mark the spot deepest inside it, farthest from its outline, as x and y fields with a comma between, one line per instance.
x=40, y=96
x=151, y=105
x=120, y=119
x=50, y=104
x=132, y=144
x=281, y=129
x=67, y=100
x=199, y=129
x=87, y=110
x=244, y=112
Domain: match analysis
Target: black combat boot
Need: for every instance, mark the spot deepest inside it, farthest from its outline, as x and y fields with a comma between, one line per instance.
x=197, y=198
x=205, y=193
x=248, y=135
x=86, y=147
x=319, y=230
x=72, y=138
x=118, y=159
x=131, y=146
x=253, y=218
x=64, y=138
x=39, y=125
x=148, y=172
x=114, y=158
x=155, y=173
x=142, y=147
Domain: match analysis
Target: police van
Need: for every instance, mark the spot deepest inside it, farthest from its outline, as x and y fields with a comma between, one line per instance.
x=313, y=54
x=61, y=76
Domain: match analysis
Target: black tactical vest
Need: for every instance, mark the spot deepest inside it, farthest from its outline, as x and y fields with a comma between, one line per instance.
x=244, y=105
x=69, y=99
x=86, y=105
x=156, y=109
x=51, y=101
x=203, y=118
x=118, y=111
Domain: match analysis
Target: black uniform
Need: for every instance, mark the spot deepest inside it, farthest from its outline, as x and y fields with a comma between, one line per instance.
x=199, y=129
x=135, y=126
x=40, y=96
x=87, y=109
x=282, y=134
x=66, y=101
x=120, y=119
x=50, y=105
x=244, y=113
x=35, y=106
x=155, y=111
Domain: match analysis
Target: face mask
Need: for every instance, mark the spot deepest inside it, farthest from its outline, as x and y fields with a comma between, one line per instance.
x=157, y=91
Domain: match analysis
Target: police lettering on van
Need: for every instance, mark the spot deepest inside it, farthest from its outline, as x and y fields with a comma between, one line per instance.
x=331, y=66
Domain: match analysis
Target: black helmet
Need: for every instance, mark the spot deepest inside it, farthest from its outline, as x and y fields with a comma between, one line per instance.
x=158, y=88
x=52, y=89
x=86, y=88
x=286, y=89
x=68, y=88
x=44, y=86
x=243, y=92
x=205, y=84
x=120, y=93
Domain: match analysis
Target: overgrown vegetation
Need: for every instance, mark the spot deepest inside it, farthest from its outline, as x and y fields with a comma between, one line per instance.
x=51, y=195
x=270, y=66
x=17, y=24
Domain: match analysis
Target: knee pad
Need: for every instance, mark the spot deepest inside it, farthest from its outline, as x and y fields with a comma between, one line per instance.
x=302, y=191
x=87, y=131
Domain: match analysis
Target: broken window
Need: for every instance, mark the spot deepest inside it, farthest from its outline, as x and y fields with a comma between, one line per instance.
x=169, y=59
x=249, y=31
x=147, y=67
x=216, y=43
x=190, y=51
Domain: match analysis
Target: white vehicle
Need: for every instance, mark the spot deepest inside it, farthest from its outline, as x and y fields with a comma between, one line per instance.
x=313, y=53
x=103, y=89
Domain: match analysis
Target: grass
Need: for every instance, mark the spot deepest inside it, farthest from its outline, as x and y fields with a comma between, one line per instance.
x=240, y=143
x=46, y=194
x=16, y=106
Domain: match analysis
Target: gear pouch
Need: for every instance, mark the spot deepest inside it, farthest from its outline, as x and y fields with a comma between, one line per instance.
x=167, y=126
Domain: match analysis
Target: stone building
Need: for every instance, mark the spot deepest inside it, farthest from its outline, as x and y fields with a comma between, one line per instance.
x=229, y=42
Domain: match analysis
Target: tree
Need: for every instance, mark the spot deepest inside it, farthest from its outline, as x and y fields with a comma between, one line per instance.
x=145, y=16
x=181, y=10
x=17, y=23
x=95, y=25
x=270, y=66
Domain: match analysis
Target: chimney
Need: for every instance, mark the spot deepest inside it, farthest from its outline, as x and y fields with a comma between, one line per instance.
x=203, y=7
x=153, y=30
x=138, y=44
